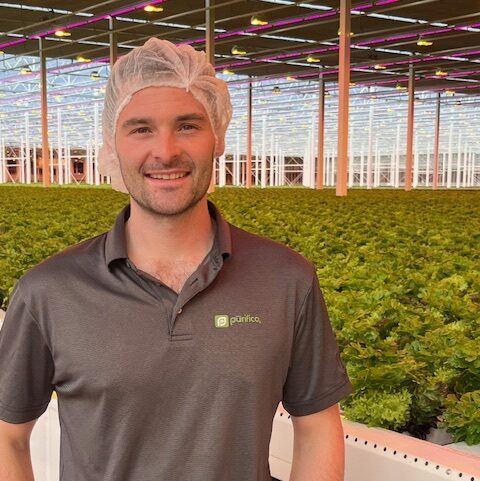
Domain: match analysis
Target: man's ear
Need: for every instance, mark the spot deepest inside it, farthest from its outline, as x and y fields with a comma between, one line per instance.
x=219, y=147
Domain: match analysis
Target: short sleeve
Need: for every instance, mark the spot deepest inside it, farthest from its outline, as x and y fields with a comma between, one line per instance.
x=26, y=365
x=316, y=377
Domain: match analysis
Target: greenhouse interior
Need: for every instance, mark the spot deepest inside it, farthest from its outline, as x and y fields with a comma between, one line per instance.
x=354, y=141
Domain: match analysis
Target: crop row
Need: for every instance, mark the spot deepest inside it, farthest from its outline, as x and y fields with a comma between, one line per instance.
x=400, y=273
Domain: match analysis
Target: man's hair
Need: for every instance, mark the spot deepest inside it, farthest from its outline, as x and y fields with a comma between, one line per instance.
x=159, y=63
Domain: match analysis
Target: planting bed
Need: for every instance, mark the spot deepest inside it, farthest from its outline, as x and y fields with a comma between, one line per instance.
x=400, y=273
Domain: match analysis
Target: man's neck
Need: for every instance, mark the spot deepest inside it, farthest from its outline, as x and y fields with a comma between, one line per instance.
x=157, y=240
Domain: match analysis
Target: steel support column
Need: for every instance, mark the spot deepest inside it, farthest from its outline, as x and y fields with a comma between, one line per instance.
x=113, y=41
x=28, y=165
x=450, y=156
x=272, y=161
x=3, y=176
x=96, y=136
x=60, y=155
x=459, y=159
x=44, y=113
x=397, y=159
x=210, y=30
x=343, y=94
x=264, y=154
x=321, y=131
x=436, y=145
x=248, y=182
x=427, y=167
x=210, y=51
x=410, y=122
x=35, y=170
x=370, y=148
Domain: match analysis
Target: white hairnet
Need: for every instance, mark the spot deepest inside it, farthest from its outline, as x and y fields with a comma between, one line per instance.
x=159, y=63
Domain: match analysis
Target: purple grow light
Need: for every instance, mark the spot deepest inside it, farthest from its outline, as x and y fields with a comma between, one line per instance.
x=91, y=20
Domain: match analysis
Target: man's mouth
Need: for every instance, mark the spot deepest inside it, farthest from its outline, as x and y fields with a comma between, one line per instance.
x=172, y=176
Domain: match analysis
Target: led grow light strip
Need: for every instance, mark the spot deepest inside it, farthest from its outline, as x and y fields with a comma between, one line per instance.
x=101, y=17
x=367, y=68
x=356, y=45
x=84, y=22
x=280, y=23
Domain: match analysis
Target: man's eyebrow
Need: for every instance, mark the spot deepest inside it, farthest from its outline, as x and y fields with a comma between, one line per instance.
x=137, y=121
x=148, y=120
x=191, y=116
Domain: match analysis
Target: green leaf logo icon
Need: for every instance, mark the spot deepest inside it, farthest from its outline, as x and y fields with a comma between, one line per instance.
x=222, y=321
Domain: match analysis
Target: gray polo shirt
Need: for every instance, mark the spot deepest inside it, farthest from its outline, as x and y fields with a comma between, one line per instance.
x=154, y=386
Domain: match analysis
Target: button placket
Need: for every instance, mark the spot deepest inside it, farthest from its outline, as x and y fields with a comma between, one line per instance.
x=153, y=289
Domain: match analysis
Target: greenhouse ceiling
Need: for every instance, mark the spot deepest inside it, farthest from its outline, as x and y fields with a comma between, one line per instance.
x=281, y=57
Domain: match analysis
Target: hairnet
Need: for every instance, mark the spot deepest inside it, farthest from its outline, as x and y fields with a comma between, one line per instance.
x=159, y=63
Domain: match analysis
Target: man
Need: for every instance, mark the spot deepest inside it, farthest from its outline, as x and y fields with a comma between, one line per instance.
x=171, y=339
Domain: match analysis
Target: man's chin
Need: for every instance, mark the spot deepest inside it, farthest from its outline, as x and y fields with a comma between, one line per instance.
x=166, y=209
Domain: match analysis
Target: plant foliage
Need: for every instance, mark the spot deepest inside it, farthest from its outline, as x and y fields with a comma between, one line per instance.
x=400, y=272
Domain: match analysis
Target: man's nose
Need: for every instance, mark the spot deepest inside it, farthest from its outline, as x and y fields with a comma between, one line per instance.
x=166, y=147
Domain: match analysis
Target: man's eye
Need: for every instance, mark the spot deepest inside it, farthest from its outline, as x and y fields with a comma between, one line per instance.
x=141, y=130
x=188, y=127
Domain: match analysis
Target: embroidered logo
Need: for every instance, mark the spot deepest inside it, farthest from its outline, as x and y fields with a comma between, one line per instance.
x=223, y=320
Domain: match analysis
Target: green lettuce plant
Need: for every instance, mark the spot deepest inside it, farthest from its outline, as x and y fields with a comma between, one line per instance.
x=462, y=417
x=399, y=272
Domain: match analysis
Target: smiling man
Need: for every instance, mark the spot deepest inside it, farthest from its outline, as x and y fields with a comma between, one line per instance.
x=170, y=339
x=165, y=145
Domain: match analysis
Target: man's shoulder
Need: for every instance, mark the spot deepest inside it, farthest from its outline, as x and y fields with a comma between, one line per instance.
x=260, y=249
x=66, y=264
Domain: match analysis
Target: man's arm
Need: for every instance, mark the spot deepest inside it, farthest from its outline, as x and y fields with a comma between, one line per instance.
x=15, y=461
x=318, y=447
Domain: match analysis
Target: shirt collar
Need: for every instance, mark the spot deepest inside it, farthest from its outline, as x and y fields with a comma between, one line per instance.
x=116, y=243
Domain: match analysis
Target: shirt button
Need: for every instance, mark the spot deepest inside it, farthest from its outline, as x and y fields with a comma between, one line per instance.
x=179, y=311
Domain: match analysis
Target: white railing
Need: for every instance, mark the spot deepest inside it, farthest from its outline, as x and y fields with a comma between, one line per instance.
x=371, y=454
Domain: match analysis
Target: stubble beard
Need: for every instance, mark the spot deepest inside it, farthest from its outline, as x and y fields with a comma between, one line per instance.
x=147, y=200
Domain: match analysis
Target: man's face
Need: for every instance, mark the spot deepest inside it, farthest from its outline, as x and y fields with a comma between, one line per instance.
x=165, y=145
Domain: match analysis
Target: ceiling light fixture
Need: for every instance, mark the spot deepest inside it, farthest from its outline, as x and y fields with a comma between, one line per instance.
x=379, y=66
x=226, y=71
x=152, y=9
x=62, y=33
x=421, y=42
x=238, y=51
x=25, y=71
x=258, y=19
x=450, y=92
x=276, y=90
x=83, y=59
x=399, y=86
x=95, y=75
x=291, y=77
x=441, y=73
x=313, y=59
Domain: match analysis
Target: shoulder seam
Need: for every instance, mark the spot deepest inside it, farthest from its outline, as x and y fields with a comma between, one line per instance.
x=27, y=307
x=302, y=307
